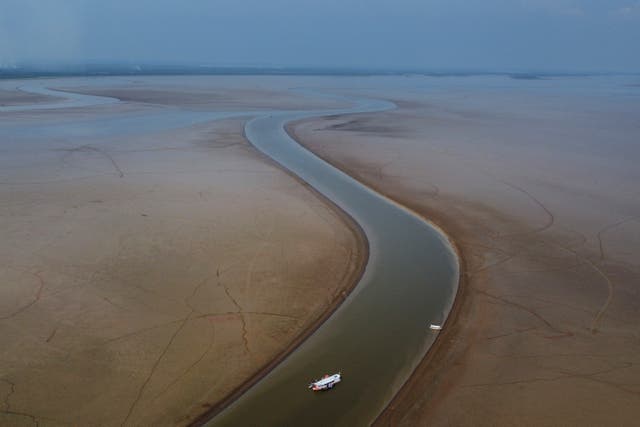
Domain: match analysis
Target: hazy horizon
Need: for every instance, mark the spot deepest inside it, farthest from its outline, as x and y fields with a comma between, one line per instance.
x=492, y=35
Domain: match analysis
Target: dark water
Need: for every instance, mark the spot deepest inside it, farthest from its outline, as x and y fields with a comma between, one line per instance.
x=377, y=337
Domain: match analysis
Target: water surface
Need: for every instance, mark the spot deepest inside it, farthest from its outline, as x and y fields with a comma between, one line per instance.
x=380, y=333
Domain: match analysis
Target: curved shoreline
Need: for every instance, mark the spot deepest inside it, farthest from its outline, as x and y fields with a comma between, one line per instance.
x=323, y=176
x=64, y=99
x=352, y=224
x=298, y=159
x=439, y=347
x=350, y=283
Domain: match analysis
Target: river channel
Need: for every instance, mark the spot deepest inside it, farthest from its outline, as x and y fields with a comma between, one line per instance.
x=380, y=332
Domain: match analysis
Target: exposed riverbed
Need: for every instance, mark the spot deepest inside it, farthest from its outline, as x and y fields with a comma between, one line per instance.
x=381, y=331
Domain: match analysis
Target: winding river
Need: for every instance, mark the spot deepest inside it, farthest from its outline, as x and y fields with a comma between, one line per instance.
x=380, y=332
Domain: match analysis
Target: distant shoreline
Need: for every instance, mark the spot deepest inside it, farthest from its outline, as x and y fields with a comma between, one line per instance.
x=32, y=72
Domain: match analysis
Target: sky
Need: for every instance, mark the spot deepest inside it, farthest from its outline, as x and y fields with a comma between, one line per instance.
x=480, y=35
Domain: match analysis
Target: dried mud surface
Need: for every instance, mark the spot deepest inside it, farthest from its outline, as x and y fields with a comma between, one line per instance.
x=145, y=277
x=539, y=191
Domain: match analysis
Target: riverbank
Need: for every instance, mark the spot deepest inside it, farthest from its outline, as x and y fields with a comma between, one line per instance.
x=412, y=277
x=546, y=330
x=358, y=261
x=154, y=259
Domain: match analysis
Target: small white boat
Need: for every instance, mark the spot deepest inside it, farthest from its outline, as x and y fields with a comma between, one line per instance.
x=435, y=327
x=327, y=382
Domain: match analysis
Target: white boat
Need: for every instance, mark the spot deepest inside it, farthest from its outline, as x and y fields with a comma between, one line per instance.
x=434, y=327
x=327, y=382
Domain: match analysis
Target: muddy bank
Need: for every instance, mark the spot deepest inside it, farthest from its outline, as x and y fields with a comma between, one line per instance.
x=411, y=277
x=537, y=189
x=147, y=274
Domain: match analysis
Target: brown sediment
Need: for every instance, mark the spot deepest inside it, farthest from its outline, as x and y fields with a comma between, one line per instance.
x=439, y=350
x=543, y=331
x=348, y=283
x=139, y=269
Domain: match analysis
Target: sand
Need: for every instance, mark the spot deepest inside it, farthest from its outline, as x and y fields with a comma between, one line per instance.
x=147, y=275
x=537, y=185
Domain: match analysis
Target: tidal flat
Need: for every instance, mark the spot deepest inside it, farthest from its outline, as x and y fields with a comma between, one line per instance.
x=152, y=260
x=536, y=182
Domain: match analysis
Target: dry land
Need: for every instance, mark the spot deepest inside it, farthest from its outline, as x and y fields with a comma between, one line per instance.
x=147, y=274
x=537, y=183
x=149, y=270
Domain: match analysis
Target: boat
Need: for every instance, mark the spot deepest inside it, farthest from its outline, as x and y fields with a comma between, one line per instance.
x=326, y=382
x=435, y=327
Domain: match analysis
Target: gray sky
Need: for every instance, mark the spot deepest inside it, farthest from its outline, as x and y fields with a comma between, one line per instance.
x=554, y=35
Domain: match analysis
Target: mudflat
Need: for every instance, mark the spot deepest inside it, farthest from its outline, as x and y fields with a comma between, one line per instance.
x=536, y=182
x=148, y=270
x=13, y=96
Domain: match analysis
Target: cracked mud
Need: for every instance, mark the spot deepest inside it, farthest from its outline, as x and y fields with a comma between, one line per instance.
x=539, y=190
x=146, y=275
